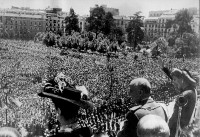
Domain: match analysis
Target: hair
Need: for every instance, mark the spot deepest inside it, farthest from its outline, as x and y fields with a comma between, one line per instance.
x=152, y=125
x=145, y=89
x=65, y=108
x=9, y=132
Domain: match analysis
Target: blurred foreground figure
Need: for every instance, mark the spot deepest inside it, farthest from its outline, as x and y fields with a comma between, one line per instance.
x=9, y=132
x=140, y=91
x=152, y=126
x=67, y=100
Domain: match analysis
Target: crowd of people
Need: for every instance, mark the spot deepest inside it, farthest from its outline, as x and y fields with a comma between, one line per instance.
x=108, y=87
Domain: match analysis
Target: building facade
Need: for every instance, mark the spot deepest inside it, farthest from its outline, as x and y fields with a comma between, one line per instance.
x=195, y=23
x=82, y=22
x=21, y=23
x=155, y=25
x=156, y=13
x=55, y=20
x=122, y=21
x=25, y=23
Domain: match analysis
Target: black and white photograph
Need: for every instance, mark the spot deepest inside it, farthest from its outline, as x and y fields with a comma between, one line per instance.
x=99, y=68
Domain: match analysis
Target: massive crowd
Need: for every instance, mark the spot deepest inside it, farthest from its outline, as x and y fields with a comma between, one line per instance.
x=106, y=79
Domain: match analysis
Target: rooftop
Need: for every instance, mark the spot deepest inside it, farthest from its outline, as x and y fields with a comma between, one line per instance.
x=20, y=15
x=122, y=17
x=151, y=18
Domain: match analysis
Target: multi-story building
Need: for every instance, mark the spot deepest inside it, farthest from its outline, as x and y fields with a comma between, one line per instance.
x=55, y=20
x=82, y=22
x=156, y=24
x=114, y=11
x=156, y=13
x=195, y=24
x=21, y=22
x=122, y=21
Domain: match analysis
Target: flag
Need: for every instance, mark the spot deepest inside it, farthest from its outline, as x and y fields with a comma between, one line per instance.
x=13, y=102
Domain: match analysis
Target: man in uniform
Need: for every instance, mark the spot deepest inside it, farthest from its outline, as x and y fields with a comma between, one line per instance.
x=140, y=91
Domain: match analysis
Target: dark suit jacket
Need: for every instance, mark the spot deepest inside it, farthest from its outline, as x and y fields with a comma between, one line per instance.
x=136, y=113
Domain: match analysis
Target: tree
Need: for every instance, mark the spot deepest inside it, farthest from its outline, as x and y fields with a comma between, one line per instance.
x=181, y=22
x=71, y=22
x=183, y=19
x=100, y=21
x=108, y=23
x=116, y=34
x=191, y=43
x=134, y=30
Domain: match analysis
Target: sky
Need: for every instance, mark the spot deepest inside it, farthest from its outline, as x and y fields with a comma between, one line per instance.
x=82, y=7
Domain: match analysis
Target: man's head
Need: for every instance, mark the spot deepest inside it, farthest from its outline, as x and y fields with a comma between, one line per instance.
x=140, y=89
x=152, y=126
x=9, y=132
x=182, y=78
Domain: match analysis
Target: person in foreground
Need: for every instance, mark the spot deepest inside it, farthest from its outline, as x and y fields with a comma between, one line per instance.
x=152, y=126
x=67, y=100
x=9, y=132
x=140, y=91
x=185, y=102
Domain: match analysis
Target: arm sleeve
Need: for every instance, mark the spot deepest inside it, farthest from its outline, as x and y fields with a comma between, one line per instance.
x=167, y=72
x=129, y=129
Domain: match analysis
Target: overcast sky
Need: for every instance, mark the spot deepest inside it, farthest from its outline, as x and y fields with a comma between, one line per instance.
x=126, y=7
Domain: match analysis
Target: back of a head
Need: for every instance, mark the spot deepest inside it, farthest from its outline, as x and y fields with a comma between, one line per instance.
x=9, y=132
x=140, y=89
x=152, y=126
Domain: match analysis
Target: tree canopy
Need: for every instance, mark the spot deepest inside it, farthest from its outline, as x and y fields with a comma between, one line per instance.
x=100, y=21
x=134, y=30
x=71, y=22
x=181, y=22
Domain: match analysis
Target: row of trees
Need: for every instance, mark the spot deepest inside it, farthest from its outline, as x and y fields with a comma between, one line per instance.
x=100, y=21
x=183, y=40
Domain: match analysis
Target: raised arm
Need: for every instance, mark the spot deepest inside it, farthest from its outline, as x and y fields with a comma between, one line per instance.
x=164, y=68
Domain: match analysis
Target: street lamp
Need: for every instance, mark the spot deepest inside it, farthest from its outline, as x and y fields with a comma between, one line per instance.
x=64, y=27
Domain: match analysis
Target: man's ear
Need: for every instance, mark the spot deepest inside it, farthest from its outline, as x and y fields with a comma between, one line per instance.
x=58, y=111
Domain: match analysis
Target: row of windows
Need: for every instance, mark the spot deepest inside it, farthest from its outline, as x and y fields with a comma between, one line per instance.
x=121, y=23
x=155, y=25
x=52, y=29
x=23, y=23
x=23, y=18
x=155, y=29
x=152, y=34
x=19, y=27
x=159, y=30
x=54, y=24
